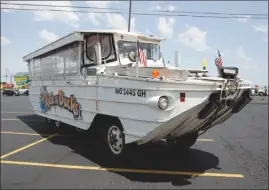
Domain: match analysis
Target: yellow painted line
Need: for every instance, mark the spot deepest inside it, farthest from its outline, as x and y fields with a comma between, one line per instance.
x=205, y=174
x=21, y=119
x=31, y=134
x=36, y=134
x=27, y=146
x=17, y=112
x=19, y=133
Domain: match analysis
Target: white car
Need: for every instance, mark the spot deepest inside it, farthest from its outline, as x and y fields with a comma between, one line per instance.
x=22, y=91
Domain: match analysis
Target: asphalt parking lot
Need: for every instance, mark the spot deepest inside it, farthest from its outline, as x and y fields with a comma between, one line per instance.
x=37, y=155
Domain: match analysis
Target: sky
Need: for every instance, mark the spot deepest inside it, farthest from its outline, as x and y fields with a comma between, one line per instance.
x=243, y=43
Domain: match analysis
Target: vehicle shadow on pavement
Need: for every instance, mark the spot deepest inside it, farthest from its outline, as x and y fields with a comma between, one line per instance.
x=154, y=156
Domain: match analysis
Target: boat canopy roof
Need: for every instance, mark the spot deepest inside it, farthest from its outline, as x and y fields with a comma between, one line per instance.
x=78, y=36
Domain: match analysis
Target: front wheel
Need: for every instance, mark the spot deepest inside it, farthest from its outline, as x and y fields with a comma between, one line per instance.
x=112, y=138
x=183, y=143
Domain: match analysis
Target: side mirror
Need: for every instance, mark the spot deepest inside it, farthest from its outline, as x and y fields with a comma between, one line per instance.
x=132, y=56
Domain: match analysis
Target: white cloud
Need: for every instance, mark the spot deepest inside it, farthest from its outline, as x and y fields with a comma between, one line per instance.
x=47, y=36
x=241, y=55
x=69, y=18
x=115, y=21
x=133, y=24
x=238, y=57
x=166, y=26
x=194, y=37
x=158, y=7
x=244, y=20
x=171, y=8
x=5, y=41
x=99, y=4
x=164, y=8
x=261, y=28
x=112, y=20
x=93, y=19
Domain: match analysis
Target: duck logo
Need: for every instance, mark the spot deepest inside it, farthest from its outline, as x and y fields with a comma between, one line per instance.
x=47, y=100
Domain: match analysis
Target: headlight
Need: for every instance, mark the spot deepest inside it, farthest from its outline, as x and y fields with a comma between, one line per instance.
x=163, y=102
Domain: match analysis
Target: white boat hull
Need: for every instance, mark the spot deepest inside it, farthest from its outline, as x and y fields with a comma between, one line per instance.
x=138, y=113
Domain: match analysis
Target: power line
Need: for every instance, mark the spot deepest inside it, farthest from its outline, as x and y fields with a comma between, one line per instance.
x=164, y=11
x=214, y=13
x=63, y=6
x=134, y=13
x=61, y=10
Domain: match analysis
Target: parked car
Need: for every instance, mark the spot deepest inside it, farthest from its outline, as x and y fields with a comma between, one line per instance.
x=11, y=92
x=24, y=92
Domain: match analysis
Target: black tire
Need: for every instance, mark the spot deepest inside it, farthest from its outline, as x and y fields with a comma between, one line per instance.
x=49, y=121
x=108, y=140
x=184, y=142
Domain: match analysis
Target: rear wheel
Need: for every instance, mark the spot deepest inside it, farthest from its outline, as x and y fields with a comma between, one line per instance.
x=183, y=143
x=261, y=94
x=48, y=120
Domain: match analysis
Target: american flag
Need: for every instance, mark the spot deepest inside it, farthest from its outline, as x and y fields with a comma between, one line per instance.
x=143, y=59
x=220, y=61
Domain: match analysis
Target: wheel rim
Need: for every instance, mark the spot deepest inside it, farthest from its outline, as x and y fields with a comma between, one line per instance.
x=115, y=139
x=48, y=120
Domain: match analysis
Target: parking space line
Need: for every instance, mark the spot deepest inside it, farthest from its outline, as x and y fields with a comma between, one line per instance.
x=27, y=146
x=164, y=172
x=36, y=134
x=20, y=133
x=14, y=119
x=17, y=112
x=31, y=134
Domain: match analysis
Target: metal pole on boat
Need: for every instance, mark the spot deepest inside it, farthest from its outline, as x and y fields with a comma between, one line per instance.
x=130, y=13
x=177, y=58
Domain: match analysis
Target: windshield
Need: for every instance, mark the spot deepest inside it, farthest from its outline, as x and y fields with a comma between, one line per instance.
x=151, y=51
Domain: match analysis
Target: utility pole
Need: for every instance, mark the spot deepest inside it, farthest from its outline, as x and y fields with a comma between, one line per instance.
x=6, y=74
x=11, y=78
x=130, y=13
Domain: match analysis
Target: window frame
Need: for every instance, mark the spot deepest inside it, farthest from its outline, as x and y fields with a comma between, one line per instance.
x=144, y=43
x=112, y=49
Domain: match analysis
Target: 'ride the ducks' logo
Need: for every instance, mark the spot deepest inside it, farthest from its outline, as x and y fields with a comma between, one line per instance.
x=47, y=100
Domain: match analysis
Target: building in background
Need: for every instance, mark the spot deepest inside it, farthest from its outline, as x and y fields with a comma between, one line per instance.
x=4, y=85
x=21, y=80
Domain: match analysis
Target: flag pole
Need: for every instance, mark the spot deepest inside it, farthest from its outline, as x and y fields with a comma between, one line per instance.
x=137, y=57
